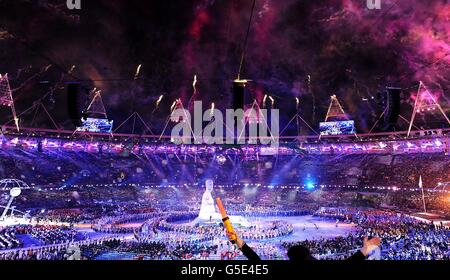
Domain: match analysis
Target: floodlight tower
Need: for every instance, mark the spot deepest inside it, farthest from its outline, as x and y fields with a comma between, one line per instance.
x=335, y=109
x=6, y=98
x=425, y=102
x=13, y=193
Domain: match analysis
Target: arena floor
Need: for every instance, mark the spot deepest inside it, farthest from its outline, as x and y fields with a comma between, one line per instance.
x=305, y=228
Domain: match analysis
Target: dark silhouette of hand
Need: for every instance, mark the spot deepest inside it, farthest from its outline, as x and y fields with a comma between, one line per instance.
x=370, y=245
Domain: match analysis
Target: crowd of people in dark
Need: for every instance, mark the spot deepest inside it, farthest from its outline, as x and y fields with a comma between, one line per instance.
x=155, y=250
x=144, y=196
x=404, y=237
x=44, y=234
x=56, y=169
x=62, y=251
x=8, y=239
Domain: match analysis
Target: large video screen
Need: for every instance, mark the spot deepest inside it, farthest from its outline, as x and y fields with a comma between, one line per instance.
x=96, y=125
x=337, y=128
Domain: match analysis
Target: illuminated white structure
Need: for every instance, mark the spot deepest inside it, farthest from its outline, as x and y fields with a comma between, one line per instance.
x=208, y=213
x=13, y=193
x=15, y=188
x=207, y=209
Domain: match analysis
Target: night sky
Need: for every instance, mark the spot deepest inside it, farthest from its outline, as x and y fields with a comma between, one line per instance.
x=345, y=48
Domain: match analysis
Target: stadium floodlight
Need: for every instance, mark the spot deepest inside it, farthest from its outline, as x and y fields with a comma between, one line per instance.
x=14, y=191
x=425, y=102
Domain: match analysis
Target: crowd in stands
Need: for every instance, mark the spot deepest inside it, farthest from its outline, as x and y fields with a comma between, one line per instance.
x=54, y=169
x=8, y=239
x=266, y=251
x=45, y=234
x=112, y=193
x=218, y=249
x=156, y=250
x=99, y=202
x=403, y=237
x=62, y=251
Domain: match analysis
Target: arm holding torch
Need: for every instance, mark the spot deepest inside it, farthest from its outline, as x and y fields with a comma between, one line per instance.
x=232, y=235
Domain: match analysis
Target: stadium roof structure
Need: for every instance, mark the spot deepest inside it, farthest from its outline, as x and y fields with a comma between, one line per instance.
x=9, y=131
x=6, y=98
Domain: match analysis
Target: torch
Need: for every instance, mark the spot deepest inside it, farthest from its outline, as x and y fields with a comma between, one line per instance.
x=226, y=221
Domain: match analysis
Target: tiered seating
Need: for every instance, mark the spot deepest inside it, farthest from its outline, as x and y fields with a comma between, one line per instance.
x=8, y=240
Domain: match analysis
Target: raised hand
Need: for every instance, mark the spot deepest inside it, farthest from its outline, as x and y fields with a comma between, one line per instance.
x=370, y=245
x=232, y=236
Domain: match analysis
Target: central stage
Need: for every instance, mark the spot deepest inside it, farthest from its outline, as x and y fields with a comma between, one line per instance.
x=208, y=214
